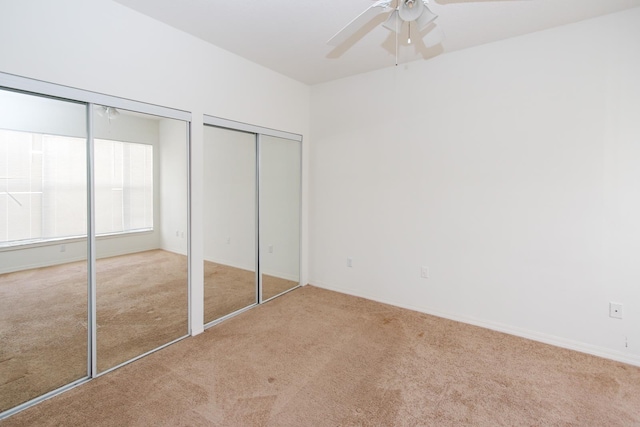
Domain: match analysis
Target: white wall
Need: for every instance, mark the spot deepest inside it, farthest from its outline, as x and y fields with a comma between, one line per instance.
x=104, y=47
x=510, y=170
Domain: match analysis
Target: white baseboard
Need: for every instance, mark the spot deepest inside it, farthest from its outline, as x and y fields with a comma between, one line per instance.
x=231, y=264
x=21, y=267
x=284, y=276
x=67, y=260
x=177, y=251
x=499, y=327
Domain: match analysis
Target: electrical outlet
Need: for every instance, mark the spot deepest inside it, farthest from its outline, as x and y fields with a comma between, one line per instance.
x=615, y=310
x=349, y=262
x=424, y=272
x=63, y=248
x=270, y=249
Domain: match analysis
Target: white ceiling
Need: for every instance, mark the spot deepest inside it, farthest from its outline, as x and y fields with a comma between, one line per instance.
x=290, y=36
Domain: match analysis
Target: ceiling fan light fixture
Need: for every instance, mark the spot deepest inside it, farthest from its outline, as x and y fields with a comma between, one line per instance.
x=425, y=18
x=410, y=10
x=112, y=113
x=109, y=112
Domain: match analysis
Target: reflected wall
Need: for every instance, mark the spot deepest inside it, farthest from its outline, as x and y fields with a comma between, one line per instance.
x=280, y=161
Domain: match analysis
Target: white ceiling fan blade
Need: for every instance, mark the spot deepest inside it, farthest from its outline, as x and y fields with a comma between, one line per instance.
x=353, y=26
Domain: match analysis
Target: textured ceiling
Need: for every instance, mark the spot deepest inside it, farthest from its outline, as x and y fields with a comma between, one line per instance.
x=290, y=36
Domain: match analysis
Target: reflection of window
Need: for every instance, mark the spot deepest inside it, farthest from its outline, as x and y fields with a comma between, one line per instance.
x=43, y=187
x=123, y=186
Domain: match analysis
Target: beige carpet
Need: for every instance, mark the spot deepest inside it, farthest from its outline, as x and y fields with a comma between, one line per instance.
x=141, y=305
x=318, y=358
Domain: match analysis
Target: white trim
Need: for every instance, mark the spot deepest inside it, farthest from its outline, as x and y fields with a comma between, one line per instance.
x=499, y=327
x=283, y=292
x=140, y=356
x=21, y=407
x=245, y=127
x=285, y=276
x=84, y=96
x=231, y=264
x=229, y=316
x=301, y=229
x=69, y=260
x=258, y=217
x=92, y=253
x=189, y=272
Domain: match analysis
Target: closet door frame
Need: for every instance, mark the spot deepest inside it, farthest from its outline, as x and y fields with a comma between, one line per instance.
x=89, y=99
x=259, y=131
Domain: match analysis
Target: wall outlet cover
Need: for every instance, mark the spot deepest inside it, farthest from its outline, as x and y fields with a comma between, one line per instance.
x=615, y=310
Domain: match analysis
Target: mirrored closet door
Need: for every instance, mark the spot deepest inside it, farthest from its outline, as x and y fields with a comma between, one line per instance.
x=251, y=216
x=43, y=245
x=229, y=222
x=279, y=214
x=94, y=209
x=140, y=181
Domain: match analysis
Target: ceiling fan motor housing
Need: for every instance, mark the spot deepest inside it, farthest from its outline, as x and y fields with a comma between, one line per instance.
x=410, y=10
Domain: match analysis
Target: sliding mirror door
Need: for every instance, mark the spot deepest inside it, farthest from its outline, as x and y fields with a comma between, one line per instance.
x=252, y=199
x=141, y=210
x=43, y=246
x=229, y=222
x=279, y=215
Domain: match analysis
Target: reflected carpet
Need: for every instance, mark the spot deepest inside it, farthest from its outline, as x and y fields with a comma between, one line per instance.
x=228, y=289
x=141, y=305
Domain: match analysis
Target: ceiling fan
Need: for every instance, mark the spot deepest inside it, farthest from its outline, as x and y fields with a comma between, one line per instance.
x=414, y=12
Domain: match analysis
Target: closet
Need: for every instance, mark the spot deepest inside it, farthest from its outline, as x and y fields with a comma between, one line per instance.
x=94, y=250
x=251, y=216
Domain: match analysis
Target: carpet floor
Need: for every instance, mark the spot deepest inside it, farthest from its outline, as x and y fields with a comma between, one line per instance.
x=319, y=358
x=141, y=305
